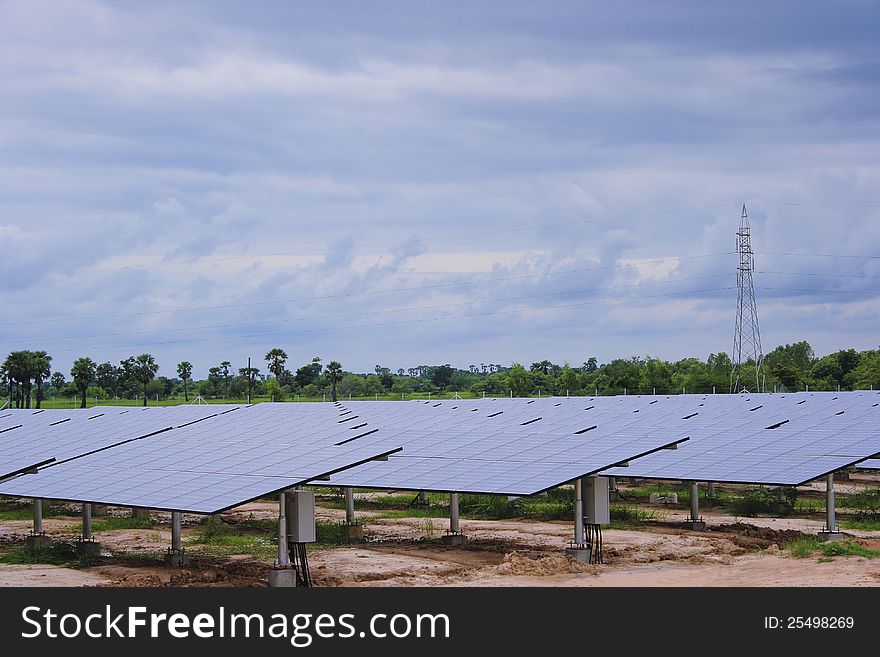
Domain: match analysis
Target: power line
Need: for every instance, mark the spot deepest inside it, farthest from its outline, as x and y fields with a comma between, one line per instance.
x=398, y=323
x=796, y=289
x=820, y=274
x=820, y=255
x=384, y=310
x=486, y=233
x=432, y=286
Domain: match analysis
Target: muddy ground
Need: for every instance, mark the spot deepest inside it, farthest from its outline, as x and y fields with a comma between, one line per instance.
x=405, y=551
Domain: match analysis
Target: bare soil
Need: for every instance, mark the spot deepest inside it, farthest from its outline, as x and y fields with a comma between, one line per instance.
x=518, y=552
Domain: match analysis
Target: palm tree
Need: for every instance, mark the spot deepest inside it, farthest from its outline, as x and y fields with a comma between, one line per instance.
x=58, y=381
x=19, y=370
x=224, y=368
x=83, y=373
x=41, y=364
x=334, y=370
x=142, y=369
x=276, y=359
x=184, y=371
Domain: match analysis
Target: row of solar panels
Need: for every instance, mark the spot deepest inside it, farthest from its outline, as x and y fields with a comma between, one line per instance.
x=209, y=458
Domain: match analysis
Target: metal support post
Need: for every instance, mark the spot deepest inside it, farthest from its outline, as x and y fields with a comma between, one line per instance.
x=87, y=522
x=175, y=557
x=453, y=514
x=579, y=549
x=694, y=522
x=283, y=554
x=282, y=575
x=454, y=535
x=349, y=505
x=38, y=516
x=176, y=544
x=830, y=532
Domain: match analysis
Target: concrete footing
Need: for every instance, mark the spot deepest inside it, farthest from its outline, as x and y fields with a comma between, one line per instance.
x=176, y=559
x=695, y=525
x=282, y=578
x=88, y=548
x=454, y=538
x=830, y=536
x=352, y=532
x=140, y=514
x=582, y=554
x=37, y=541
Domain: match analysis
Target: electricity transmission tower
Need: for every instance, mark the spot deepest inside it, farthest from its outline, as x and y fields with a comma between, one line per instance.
x=748, y=357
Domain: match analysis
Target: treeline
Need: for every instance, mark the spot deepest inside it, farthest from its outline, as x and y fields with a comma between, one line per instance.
x=27, y=377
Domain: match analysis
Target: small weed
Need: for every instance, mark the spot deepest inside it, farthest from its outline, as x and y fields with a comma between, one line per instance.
x=330, y=534
x=114, y=523
x=27, y=512
x=428, y=529
x=825, y=560
x=848, y=549
x=804, y=547
x=762, y=500
x=630, y=515
x=56, y=554
x=865, y=524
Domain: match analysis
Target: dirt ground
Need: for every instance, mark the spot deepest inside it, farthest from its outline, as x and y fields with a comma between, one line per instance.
x=517, y=552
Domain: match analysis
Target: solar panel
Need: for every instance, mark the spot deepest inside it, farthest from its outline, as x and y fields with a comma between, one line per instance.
x=62, y=435
x=204, y=467
x=788, y=441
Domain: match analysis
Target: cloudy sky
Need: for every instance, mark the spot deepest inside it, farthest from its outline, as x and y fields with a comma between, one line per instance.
x=412, y=183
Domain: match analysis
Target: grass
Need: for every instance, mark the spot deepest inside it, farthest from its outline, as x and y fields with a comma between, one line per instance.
x=803, y=547
x=806, y=547
x=255, y=537
x=56, y=554
x=428, y=529
x=762, y=500
x=848, y=549
x=27, y=512
x=113, y=523
x=865, y=524
x=628, y=515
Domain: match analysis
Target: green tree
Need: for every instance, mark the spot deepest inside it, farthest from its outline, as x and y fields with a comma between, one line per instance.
x=107, y=377
x=249, y=374
x=224, y=370
x=58, y=381
x=214, y=378
x=41, y=369
x=276, y=359
x=518, y=381
x=19, y=368
x=441, y=376
x=142, y=369
x=308, y=374
x=334, y=371
x=184, y=371
x=568, y=380
x=274, y=390
x=83, y=373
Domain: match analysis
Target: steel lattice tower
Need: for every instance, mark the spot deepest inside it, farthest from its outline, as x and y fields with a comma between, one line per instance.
x=748, y=356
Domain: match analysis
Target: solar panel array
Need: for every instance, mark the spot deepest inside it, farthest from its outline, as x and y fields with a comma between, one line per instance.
x=780, y=440
x=208, y=458
x=35, y=437
x=489, y=446
x=203, y=466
